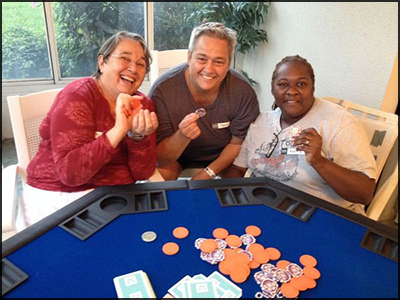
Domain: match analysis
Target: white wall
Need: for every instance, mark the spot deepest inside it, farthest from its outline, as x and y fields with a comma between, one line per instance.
x=351, y=46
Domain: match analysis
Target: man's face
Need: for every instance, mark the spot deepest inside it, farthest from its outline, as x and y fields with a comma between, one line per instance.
x=208, y=64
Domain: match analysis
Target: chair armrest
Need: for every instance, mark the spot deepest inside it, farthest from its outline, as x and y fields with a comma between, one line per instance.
x=9, y=197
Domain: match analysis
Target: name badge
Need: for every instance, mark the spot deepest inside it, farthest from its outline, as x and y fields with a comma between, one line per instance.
x=221, y=125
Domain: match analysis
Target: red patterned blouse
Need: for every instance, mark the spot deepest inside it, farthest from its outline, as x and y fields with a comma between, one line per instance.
x=73, y=157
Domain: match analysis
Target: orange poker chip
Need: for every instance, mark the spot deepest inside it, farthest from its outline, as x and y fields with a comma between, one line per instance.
x=208, y=245
x=253, y=230
x=261, y=256
x=135, y=103
x=308, y=260
x=253, y=248
x=298, y=284
x=239, y=273
x=308, y=282
x=242, y=258
x=170, y=248
x=311, y=272
x=289, y=291
x=180, y=232
x=233, y=241
x=254, y=264
x=220, y=233
x=282, y=264
x=274, y=253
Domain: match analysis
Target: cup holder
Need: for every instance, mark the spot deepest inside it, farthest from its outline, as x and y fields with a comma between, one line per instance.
x=113, y=204
x=265, y=195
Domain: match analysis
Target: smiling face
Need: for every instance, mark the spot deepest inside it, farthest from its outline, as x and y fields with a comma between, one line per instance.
x=208, y=65
x=293, y=90
x=124, y=70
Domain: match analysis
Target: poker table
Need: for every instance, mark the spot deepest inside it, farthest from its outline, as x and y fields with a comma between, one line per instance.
x=77, y=251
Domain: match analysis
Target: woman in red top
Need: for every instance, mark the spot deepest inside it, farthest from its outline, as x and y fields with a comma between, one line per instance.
x=100, y=131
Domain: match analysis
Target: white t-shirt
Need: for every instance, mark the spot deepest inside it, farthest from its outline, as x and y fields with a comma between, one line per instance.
x=344, y=141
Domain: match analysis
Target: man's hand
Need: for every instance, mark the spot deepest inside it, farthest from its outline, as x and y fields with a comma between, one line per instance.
x=189, y=128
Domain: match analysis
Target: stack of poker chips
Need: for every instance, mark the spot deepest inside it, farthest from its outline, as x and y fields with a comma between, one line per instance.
x=225, y=250
x=286, y=279
x=236, y=256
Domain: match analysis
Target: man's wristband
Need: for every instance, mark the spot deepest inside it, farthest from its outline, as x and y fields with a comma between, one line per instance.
x=210, y=172
x=136, y=137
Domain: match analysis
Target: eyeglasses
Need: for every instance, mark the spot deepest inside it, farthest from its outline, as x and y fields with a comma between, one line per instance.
x=273, y=144
x=126, y=61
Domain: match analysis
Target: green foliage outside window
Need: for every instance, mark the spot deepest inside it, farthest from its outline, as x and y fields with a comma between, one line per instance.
x=245, y=18
x=82, y=27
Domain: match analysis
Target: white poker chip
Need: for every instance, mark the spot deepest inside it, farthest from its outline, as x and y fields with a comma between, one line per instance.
x=149, y=236
x=295, y=131
x=201, y=112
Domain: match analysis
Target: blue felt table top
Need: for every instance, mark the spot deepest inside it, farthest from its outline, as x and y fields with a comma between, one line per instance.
x=60, y=265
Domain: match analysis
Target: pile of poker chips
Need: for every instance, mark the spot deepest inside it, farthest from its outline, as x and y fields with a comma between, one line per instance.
x=225, y=250
x=284, y=279
x=287, y=279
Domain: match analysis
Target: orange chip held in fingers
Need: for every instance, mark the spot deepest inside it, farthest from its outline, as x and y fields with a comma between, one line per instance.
x=180, y=232
x=220, y=233
x=135, y=103
x=253, y=230
x=308, y=260
x=170, y=248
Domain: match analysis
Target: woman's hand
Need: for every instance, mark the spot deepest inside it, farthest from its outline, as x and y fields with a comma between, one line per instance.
x=144, y=122
x=310, y=142
x=127, y=107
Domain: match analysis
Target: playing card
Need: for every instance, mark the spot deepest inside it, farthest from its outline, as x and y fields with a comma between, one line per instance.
x=134, y=285
x=230, y=289
x=177, y=289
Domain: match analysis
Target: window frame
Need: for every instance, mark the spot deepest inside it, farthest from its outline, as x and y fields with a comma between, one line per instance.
x=55, y=69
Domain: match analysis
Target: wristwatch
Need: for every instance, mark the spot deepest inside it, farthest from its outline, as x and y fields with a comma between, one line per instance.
x=210, y=172
x=135, y=136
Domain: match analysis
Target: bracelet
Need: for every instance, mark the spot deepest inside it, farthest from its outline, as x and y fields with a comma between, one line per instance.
x=135, y=136
x=210, y=172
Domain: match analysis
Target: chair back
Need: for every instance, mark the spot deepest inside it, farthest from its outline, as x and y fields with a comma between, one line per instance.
x=381, y=128
x=27, y=113
x=164, y=60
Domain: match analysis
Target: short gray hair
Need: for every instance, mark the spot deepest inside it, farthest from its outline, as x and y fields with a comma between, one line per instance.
x=112, y=43
x=216, y=30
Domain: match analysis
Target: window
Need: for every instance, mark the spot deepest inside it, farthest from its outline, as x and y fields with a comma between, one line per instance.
x=60, y=40
x=24, y=45
x=173, y=24
x=82, y=27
